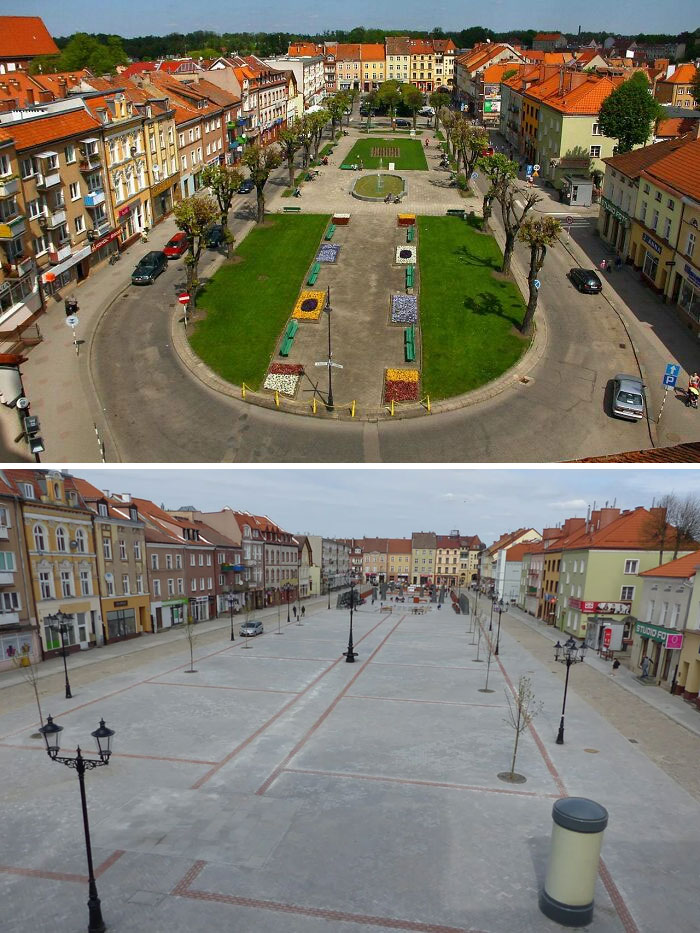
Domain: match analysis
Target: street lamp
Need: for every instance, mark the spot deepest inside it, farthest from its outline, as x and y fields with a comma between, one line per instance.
x=59, y=623
x=328, y=310
x=500, y=609
x=103, y=737
x=569, y=653
x=231, y=600
x=287, y=588
x=494, y=599
x=279, y=622
x=351, y=654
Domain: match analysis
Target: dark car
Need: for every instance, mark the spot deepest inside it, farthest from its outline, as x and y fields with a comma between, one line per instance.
x=176, y=246
x=402, y=122
x=149, y=268
x=246, y=186
x=215, y=236
x=251, y=627
x=586, y=280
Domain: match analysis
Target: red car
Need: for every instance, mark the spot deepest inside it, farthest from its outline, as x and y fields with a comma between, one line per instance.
x=488, y=152
x=176, y=246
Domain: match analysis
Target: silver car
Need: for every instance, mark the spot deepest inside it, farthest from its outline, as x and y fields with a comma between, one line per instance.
x=628, y=397
x=252, y=627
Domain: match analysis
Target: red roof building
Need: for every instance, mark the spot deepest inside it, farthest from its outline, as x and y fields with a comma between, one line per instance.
x=22, y=39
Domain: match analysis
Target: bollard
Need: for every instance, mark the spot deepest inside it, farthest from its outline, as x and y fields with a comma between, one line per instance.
x=577, y=837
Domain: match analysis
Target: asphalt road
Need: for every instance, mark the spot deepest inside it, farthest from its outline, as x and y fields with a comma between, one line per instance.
x=161, y=413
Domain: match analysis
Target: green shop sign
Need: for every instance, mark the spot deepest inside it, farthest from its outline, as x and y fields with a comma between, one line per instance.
x=615, y=211
x=655, y=632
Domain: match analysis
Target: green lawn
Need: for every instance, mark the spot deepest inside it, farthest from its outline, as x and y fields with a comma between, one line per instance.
x=248, y=302
x=411, y=154
x=468, y=317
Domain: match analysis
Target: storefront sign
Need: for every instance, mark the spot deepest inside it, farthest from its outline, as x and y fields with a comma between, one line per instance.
x=164, y=185
x=122, y=212
x=621, y=608
x=674, y=642
x=615, y=211
x=670, y=638
x=120, y=602
x=103, y=241
x=654, y=245
x=691, y=276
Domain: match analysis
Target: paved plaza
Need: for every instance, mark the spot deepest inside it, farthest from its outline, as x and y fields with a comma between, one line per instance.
x=280, y=789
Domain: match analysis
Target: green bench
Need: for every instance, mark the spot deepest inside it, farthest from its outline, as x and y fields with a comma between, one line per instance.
x=331, y=231
x=410, y=275
x=456, y=212
x=409, y=344
x=291, y=210
x=315, y=269
x=410, y=234
x=288, y=339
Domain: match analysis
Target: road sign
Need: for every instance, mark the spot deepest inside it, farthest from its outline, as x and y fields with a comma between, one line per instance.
x=673, y=369
x=536, y=283
x=73, y=320
x=475, y=175
x=670, y=381
x=569, y=220
x=325, y=363
x=536, y=167
x=183, y=299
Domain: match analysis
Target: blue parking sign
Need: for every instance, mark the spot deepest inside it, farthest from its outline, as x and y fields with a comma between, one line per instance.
x=670, y=380
x=673, y=369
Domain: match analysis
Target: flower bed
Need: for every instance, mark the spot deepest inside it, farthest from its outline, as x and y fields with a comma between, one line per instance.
x=282, y=369
x=406, y=255
x=309, y=306
x=328, y=253
x=286, y=383
x=401, y=385
x=404, y=309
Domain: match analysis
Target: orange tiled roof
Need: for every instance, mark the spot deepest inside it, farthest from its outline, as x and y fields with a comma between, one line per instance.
x=399, y=545
x=633, y=163
x=348, y=52
x=573, y=92
x=684, y=74
x=136, y=68
x=372, y=51
x=25, y=37
x=683, y=567
x=678, y=453
x=55, y=82
x=51, y=127
x=680, y=169
x=518, y=551
x=375, y=544
x=630, y=530
x=548, y=35
x=493, y=73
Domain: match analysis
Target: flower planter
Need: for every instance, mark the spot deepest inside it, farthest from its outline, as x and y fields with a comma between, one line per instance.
x=401, y=385
x=404, y=309
x=309, y=306
x=284, y=383
x=406, y=255
x=328, y=253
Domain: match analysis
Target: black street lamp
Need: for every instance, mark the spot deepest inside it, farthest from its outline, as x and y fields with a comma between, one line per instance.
x=351, y=654
x=299, y=622
x=287, y=589
x=328, y=310
x=59, y=623
x=279, y=622
x=231, y=600
x=569, y=653
x=103, y=737
x=500, y=609
x=493, y=600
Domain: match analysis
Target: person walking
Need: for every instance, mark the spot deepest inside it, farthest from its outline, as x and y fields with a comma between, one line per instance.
x=294, y=610
x=603, y=265
x=645, y=666
x=615, y=666
x=303, y=611
x=618, y=262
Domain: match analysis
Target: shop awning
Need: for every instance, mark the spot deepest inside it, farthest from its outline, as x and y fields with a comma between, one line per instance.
x=67, y=264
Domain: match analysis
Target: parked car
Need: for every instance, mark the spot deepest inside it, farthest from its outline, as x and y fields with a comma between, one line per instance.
x=176, y=246
x=402, y=122
x=427, y=111
x=149, y=268
x=586, y=280
x=215, y=236
x=251, y=627
x=488, y=151
x=246, y=186
x=628, y=397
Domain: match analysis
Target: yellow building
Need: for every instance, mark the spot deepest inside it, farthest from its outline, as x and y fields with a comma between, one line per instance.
x=398, y=59
x=399, y=560
x=423, y=548
x=348, y=66
x=677, y=88
x=374, y=559
x=373, y=60
x=448, y=559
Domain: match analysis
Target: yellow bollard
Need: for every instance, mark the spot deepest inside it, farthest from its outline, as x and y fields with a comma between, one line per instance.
x=428, y=397
x=277, y=398
x=352, y=409
x=313, y=406
x=392, y=408
x=243, y=388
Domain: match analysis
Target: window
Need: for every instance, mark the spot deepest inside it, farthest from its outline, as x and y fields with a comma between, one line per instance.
x=627, y=592
x=208, y=560
x=74, y=189
x=7, y=562
x=654, y=220
x=156, y=587
x=178, y=561
x=102, y=509
x=651, y=266
x=154, y=562
x=70, y=154
x=690, y=246
x=168, y=561
x=664, y=613
x=41, y=244
x=657, y=196
x=122, y=549
x=650, y=610
x=107, y=548
x=631, y=566
x=194, y=585
x=201, y=583
x=646, y=189
x=80, y=541
x=210, y=583
x=79, y=223
x=126, y=586
x=675, y=612
x=171, y=587
x=180, y=585
x=27, y=168
x=9, y=602
x=39, y=534
x=139, y=583
x=201, y=560
x=137, y=550
x=671, y=204
x=61, y=539
x=45, y=585
x=66, y=583
x=667, y=228
x=192, y=560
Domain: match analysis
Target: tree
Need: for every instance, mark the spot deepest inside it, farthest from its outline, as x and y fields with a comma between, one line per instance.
x=521, y=711
x=371, y=104
x=194, y=216
x=335, y=106
x=470, y=141
x=448, y=120
x=539, y=233
x=261, y=161
x=412, y=100
x=389, y=96
x=290, y=143
x=27, y=667
x=629, y=113
x=351, y=95
x=224, y=182
x=498, y=170
x=318, y=123
x=306, y=137
x=675, y=523
x=507, y=195
x=695, y=88
x=438, y=100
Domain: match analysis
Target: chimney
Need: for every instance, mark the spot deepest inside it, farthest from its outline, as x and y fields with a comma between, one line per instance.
x=62, y=85
x=30, y=96
x=606, y=516
x=659, y=510
x=45, y=96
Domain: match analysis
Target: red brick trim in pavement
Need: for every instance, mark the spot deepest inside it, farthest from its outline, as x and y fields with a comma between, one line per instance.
x=367, y=696
x=198, y=686
x=182, y=889
x=63, y=876
x=205, y=777
x=329, y=709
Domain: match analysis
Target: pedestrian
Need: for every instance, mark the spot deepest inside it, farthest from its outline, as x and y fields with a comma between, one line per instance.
x=303, y=611
x=603, y=266
x=615, y=666
x=294, y=610
x=618, y=262
x=645, y=666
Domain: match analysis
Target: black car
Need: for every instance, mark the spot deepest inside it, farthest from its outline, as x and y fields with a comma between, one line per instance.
x=246, y=186
x=149, y=268
x=215, y=236
x=586, y=280
x=403, y=123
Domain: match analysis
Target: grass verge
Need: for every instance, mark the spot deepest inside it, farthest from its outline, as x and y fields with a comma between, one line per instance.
x=469, y=317
x=248, y=302
x=411, y=155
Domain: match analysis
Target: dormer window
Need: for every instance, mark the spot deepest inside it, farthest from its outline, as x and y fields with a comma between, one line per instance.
x=134, y=514
x=102, y=509
x=27, y=490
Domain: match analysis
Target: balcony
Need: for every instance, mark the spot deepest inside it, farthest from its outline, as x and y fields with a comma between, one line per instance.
x=49, y=180
x=58, y=255
x=9, y=618
x=9, y=186
x=55, y=218
x=15, y=270
x=4, y=533
x=12, y=227
x=95, y=198
x=89, y=161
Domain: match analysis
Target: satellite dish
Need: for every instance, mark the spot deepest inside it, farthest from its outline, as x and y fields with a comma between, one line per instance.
x=22, y=402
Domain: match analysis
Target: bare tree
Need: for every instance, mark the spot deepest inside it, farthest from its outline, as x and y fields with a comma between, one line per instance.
x=507, y=195
x=25, y=663
x=522, y=709
x=261, y=161
x=191, y=637
x=674, y=523
x=470, y=141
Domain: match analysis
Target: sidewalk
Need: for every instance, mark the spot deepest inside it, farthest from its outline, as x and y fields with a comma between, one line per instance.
x=673, y=707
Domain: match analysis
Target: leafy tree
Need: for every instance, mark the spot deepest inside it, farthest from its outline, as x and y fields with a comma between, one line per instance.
x=539, y=233
x=351, y=95
x=448, y=119
x=498, y=170
x=261, y=161
x=412, y=99
x=371, y=104
x=45, y=65
x=318, y=124
x=204, y=53
x=389, y=96
x=470, y=141
x=194, y=216
x=335, y=106
x=290, y=143
x=507, y=195
x=629, y=113
x=224, y=182
x=306, y=137
x=438, y=100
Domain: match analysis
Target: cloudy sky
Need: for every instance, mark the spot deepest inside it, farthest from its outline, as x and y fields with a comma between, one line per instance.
x=159, y=17
x=395, y=502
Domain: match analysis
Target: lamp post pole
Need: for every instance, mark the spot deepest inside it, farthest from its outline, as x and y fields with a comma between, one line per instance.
x=500, y=610
x=328, y=310
x=103, y=736
x=299, y=622
x=231, y=601
x=351, y=654
x=569, y=653
x=491, y=615
x=279, y=614
x=287, y=587
x=59, y=623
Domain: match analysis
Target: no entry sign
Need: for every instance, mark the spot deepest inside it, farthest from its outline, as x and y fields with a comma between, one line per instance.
x=183, y=299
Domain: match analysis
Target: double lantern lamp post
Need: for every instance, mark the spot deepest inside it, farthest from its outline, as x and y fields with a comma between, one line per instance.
x=351, y=654
x=569, y=653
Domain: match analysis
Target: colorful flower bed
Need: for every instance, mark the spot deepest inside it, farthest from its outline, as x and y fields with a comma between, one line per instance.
x=286, y=383
x=328, y=253
x=309, y=306
x=281, y=369
x=405, y=255
x=404, y=309
x=401, y=385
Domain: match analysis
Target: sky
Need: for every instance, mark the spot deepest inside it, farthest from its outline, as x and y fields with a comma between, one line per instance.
x=159, y=17
x=396, y=502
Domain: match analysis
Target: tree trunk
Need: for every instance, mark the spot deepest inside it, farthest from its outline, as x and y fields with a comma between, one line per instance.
x=261, y=206
x=515, y=748
x=415, y=118
x=508, y=251
x=486, y=210
x=526, y=326
x=290, y=166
